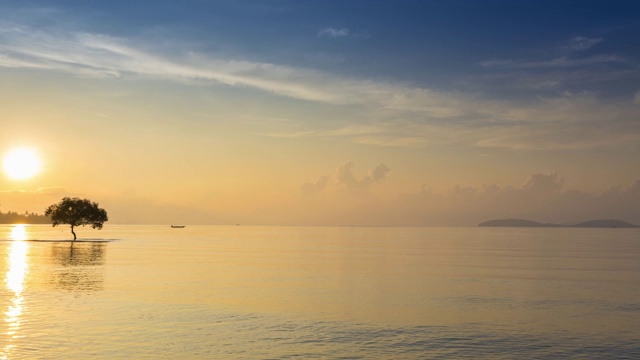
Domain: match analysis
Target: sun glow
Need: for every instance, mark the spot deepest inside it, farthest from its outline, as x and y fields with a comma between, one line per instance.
x=21, y=163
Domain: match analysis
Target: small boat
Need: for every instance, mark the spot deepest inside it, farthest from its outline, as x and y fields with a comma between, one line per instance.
x=178, y=226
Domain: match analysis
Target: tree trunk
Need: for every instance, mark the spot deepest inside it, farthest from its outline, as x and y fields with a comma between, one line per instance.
x=74, y=234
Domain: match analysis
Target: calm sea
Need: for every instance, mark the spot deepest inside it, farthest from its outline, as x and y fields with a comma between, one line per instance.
x=215, y=292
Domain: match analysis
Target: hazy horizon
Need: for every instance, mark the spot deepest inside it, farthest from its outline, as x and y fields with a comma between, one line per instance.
x=403, y=113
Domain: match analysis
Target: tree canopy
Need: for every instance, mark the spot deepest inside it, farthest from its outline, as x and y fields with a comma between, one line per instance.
x=77, y=212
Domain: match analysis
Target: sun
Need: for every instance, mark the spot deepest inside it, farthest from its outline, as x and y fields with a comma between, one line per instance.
x=21, y=163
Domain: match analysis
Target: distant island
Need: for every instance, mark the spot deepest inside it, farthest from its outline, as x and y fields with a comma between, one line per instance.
x=12, y=217
x=606, y=223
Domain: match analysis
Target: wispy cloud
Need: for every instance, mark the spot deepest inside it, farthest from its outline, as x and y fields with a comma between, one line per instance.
x=565, y=55
x=385, y=113
x=569, y=122
x=86, y=54
x=560, y=62
x=581, y=43
x=343, y=33
x=333, y=32
x=564, y=118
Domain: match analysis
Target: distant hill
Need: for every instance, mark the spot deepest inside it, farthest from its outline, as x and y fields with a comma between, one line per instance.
x=528, y=223
x=515, y=223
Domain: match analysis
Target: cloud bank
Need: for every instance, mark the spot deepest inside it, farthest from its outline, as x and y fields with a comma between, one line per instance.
x=344, y=180
x=542, y=197
x=345, y=177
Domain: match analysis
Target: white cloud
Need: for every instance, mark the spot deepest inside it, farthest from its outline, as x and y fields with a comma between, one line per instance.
x=333, y=32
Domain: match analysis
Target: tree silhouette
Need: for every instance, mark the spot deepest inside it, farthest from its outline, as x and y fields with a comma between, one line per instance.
x=76, y=212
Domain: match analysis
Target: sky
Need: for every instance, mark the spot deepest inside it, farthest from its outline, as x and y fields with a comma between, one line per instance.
x=338, y=113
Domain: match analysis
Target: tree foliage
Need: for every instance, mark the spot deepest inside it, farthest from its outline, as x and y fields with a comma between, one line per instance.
x=77, y=212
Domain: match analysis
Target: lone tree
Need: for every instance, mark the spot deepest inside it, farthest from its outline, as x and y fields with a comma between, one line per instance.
x=76, y=212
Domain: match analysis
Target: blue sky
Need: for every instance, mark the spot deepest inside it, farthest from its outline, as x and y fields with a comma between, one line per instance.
x=440, y=95
x=438, y=43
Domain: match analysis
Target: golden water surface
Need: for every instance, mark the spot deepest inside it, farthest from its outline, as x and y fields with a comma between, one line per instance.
x=277, y=292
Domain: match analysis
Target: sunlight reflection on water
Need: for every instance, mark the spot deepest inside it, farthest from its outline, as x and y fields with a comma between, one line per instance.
x=14, y=281
x=18, y=233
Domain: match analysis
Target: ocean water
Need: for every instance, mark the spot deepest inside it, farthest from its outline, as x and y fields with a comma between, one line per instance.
x=241, y=292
